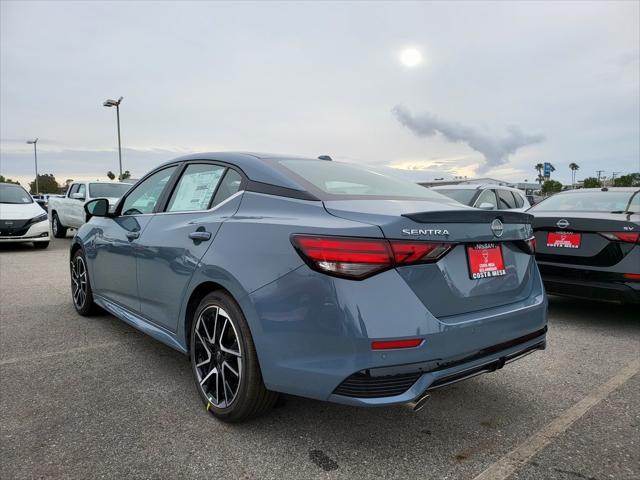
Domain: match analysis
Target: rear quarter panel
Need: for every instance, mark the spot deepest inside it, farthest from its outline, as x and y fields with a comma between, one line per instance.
x=253, y=248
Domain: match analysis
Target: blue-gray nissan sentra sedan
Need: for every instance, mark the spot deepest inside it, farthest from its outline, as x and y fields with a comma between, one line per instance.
x=311, y=277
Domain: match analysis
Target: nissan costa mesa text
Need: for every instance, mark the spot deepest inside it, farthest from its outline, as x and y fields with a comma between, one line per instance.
x=311, y=277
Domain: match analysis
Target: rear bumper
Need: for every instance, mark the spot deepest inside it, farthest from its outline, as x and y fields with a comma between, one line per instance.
x=313, y=332
x=608, y=291
x=371, y=387
x=594, y=285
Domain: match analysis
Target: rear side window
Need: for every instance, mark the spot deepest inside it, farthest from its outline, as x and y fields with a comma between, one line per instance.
x=506, y=200
x=488, y=196
x=229, y=185
x=519, y=199
x=195, y=188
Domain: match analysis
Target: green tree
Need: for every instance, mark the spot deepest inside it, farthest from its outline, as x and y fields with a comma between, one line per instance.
x=591, y=182
x=111, y=175
x=46, y=184
x=551, y=186
x=125, y=175
x=631, y=180
x=574, y=168
x=3, y=179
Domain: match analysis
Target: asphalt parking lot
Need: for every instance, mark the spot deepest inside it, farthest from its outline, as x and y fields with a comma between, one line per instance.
x=93, y=398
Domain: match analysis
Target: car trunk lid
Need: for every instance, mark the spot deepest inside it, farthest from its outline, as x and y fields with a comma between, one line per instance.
x=446, y=287
x=580, y=238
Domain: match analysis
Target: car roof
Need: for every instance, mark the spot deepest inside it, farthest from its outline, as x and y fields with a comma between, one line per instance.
x=98, y=181
x=259, y=167
x=474, y=186
x=605, y=189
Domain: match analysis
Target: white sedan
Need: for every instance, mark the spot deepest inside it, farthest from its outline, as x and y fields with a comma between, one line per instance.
x=22, y=219
x=486, y=196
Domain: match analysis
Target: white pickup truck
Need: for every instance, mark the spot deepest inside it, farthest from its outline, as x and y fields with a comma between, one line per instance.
x=68, y=211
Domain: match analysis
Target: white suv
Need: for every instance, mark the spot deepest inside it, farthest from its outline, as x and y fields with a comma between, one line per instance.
x=486, y=196
x=22, y=219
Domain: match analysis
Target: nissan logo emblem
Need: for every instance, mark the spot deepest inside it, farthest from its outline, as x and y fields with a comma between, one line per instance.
x=497, y=228
x=562, y=223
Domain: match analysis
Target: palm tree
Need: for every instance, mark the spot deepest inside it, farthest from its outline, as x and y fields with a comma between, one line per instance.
x=574, y=167
x=539, y=167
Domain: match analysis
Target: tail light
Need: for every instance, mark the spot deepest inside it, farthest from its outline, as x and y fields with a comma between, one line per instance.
x=627, y=237
x=359, y=258
x=527, y=246
x=531, y=245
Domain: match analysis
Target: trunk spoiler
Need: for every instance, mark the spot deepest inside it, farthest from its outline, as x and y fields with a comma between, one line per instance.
x=470, y=216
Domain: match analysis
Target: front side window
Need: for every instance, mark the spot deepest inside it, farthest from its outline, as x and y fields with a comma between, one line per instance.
x=11, y=193
x=487, y=196
x=195, y=188
x=74, y=188
x=144, y=197
x=336, y=179
x=82, y=190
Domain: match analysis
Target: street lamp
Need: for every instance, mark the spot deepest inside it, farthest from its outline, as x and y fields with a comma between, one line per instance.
x=116, y=103
x=35, y=155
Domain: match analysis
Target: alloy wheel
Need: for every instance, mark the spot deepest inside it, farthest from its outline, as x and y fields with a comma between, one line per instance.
x=54, y=224
x=218, y=356
x=79, y=281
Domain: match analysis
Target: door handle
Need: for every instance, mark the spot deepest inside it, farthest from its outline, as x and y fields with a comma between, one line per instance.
x=200, y=236
x=133, y=235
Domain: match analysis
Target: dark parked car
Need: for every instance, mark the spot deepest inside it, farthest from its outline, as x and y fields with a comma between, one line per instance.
x=534, y=199
x=588, y=243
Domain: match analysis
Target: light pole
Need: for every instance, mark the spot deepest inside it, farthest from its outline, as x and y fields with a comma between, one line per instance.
x=35, y=156
x=116, y=103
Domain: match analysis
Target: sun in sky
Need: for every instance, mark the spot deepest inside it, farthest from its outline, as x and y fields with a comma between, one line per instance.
x=411, y=57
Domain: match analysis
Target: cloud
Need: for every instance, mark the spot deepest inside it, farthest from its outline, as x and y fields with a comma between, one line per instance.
x=495, y=150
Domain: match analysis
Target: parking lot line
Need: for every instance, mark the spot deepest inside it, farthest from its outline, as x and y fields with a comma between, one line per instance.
x=508, y=464
x=27, y=358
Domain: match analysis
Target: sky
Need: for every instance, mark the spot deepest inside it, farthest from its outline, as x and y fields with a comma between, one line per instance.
x=429, y=89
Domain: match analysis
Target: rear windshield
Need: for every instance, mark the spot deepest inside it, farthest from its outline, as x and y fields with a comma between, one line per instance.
x=460, y=195
x=597, y=201
x=113, y=190
x=10, y=193
x=345, y=180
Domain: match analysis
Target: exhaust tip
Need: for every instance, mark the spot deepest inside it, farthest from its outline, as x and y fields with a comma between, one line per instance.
x=420, y=402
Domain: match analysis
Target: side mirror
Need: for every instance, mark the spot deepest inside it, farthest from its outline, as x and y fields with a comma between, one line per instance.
x=77, y=196
x=98, y=207
x=487, y=206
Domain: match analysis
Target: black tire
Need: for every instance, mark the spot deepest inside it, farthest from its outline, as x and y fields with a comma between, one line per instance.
x=251, y=398
x=83, y=303
x=40, y=244
x=59, y=230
